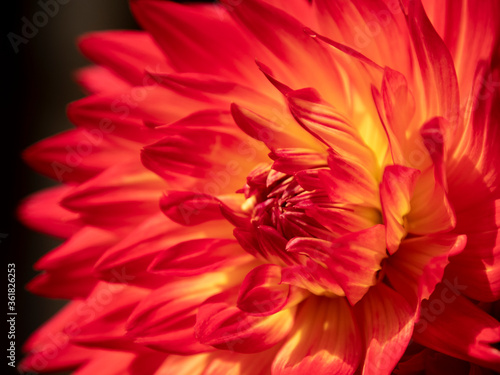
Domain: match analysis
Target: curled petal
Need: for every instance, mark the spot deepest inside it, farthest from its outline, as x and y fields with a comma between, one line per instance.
x=187, y=208
x=221, y=324
x=432, y=211
x=396, y=190
x=353, y=260
x=419, y=264
x=199, y=256
x=263, y=293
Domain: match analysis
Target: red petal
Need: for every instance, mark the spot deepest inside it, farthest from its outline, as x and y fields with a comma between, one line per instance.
x=67, y=268
x=419, y=264
x=374, y=28
x=43, y=212
x=180, y=31
x=221, y=362
x=67, y=358
x=107, y=303
x=199, y=256
x=312, y=277
x=126, y=53
x=185, y=365
x=74, y=156
x=116, y=363
x=62, y=325
x=220, y=91
x=262, y=292
x=290, y=49
x=344, y=220
x=396, y=108
x=453, y=325
x=472, y=19
x=431, y=362
x=187, y=208
x=273, y=245
x=99, y=80
x=85, y=246
x=478, y=266
x=104, y=117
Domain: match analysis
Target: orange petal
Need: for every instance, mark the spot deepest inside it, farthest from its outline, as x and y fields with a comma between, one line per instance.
x=439, y=79
x=325, y=340
x=221, y=324
x=396, y=190
x=352, y=260
x=387, y=324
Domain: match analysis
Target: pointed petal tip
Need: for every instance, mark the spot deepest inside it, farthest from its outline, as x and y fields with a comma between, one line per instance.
x=284, y=89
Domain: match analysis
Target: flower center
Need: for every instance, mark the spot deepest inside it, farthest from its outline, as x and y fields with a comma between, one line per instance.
x=315, y=239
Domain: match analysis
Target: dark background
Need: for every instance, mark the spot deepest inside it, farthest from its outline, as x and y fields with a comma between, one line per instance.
x=37, y=84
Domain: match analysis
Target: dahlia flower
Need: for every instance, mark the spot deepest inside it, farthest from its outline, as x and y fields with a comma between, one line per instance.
x=277, y=187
